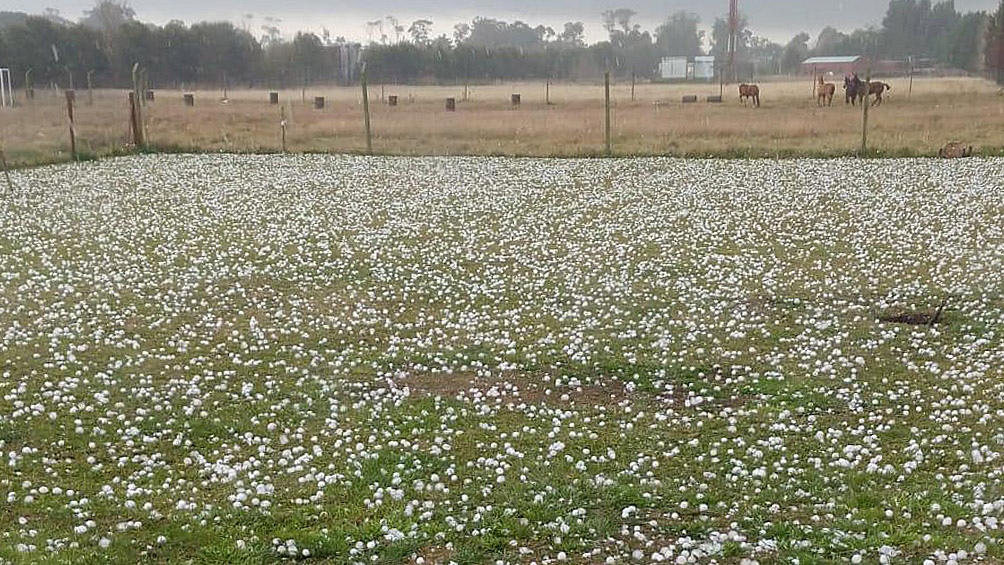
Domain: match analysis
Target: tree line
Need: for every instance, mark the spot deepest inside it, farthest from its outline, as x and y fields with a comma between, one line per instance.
x=109, y=40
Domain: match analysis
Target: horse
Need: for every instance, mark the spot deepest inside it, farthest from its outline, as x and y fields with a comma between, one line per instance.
x=854, y=90
x=750, y=91
x=876, y=89
x=825, y=92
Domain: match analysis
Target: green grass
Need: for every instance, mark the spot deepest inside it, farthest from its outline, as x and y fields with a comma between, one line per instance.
x=176, y=398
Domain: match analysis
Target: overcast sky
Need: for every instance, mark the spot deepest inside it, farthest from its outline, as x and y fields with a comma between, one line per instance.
x=777, y=19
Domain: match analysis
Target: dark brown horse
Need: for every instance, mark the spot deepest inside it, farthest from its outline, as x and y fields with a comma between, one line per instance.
x=876, y=89
x=825, y=92
x=854, y=90
x=750, y=91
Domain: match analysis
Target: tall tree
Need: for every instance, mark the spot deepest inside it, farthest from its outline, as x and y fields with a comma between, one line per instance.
x=993, y=55
x=831, y=42
x=574, y=34
x=308, y=58
x=679, y=35
x=421, y=32
x=107, y=16
x=962, y=46
x=796, y=51
x=494, y=34
x=764, y=56
x=618, y=20
x=720, y=38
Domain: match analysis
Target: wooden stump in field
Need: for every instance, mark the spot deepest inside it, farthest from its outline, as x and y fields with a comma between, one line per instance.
x=190, y=100
x=392, y=101
x=273, y=98
x=318, y=102
x=955, y=150
x=451, y=104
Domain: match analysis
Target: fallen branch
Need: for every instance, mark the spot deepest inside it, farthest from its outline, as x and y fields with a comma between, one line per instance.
x=941, y=310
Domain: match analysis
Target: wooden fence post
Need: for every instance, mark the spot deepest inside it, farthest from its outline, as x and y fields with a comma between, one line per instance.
x=90, y=88
x=606, y=88
x=136, y=104
x=910, y=93
x=137, y=136
x=73, y=133
x=634, y=79
x=366, y=112
x=282, y=127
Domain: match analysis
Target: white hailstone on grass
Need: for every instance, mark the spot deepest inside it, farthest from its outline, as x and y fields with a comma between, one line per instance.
x=596, y=264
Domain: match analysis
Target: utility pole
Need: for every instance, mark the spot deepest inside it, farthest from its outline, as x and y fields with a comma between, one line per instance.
x=733, y=38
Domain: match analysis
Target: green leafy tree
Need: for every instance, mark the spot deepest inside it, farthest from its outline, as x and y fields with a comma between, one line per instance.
x=993, y=55
x=107, y=16
x=573, y=34
x=225, y=54
x=679, y=35
x=962, y=45
x=618, y=20
x=421, y=32
x=796, y=51
x=831, y=42
x=308, y=58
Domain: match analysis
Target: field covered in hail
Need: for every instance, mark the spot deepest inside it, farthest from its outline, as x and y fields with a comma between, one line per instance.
x=219, y=359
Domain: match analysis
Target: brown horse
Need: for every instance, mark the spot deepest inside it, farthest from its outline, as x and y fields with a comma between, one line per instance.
x=825, y=92
x=750, y=91
x=876, y=89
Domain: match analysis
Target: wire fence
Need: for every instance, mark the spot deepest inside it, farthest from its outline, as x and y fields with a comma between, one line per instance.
x=519, y=119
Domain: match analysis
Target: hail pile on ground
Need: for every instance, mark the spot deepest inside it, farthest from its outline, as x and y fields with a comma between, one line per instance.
x=220, y=358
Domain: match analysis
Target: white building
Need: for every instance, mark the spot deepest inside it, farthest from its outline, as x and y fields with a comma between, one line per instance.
x=682, y=68
x=704, y=68
x=673, y=68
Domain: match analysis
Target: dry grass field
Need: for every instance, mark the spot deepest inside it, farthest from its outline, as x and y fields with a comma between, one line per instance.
x=655, y=123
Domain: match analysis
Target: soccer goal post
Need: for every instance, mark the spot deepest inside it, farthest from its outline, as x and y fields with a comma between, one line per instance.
x=6, y=89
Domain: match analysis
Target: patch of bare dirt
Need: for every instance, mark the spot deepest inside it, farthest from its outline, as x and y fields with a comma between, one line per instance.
x=516, y=389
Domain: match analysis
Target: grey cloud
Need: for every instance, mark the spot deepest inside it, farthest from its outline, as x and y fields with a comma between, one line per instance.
x=774, y=18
